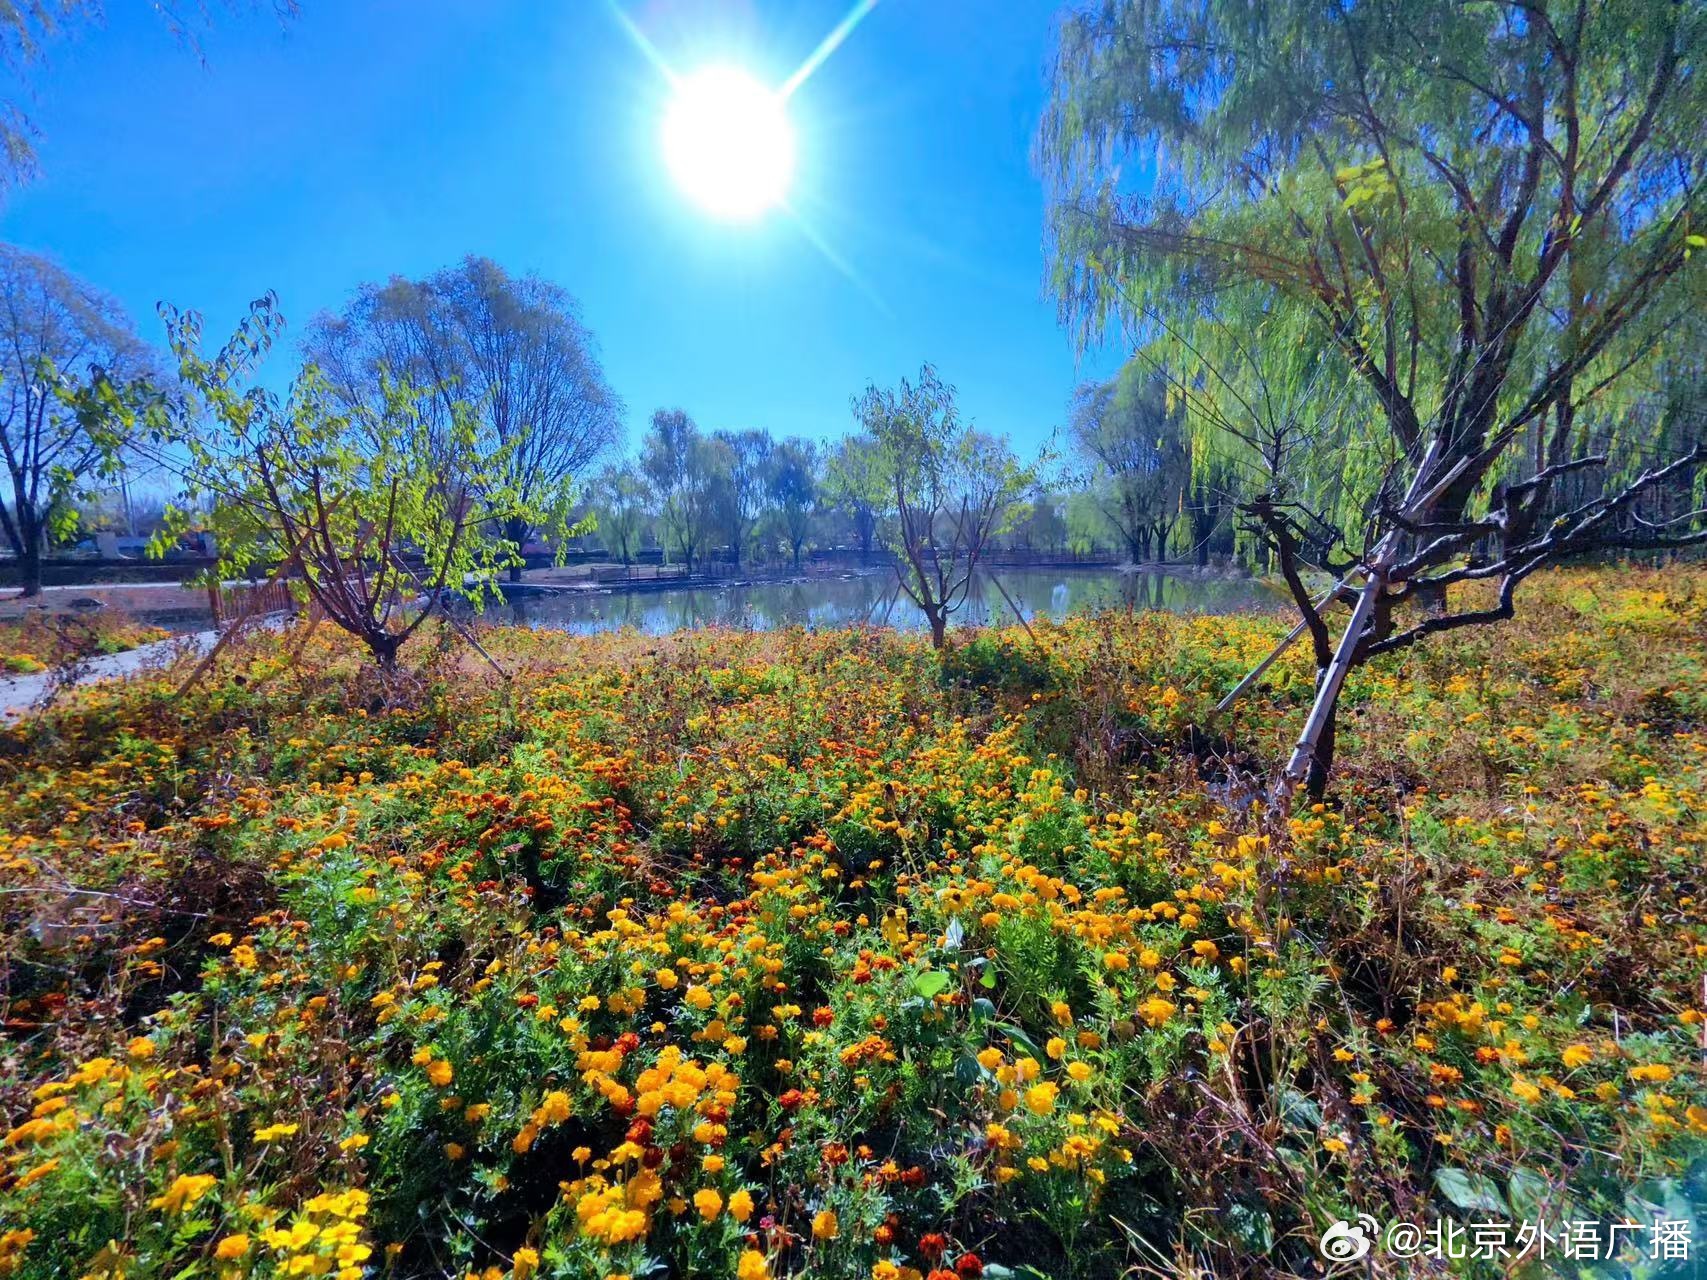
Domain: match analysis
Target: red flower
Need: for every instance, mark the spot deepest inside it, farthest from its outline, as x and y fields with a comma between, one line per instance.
x=932, y=1245
x=969, y=1265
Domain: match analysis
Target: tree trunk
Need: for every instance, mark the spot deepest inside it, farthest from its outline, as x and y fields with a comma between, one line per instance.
x=29, y=564
x=383, y=645
x=516, y=532
x=1322, y=762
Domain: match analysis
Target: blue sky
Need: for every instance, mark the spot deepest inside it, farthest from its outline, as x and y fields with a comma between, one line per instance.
x=390, y=137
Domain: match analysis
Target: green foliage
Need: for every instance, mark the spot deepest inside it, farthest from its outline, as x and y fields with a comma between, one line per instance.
x=375, y=519
x=1368, y=224
x=944, y=489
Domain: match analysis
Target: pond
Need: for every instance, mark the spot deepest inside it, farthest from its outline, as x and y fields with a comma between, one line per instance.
x=843, y=599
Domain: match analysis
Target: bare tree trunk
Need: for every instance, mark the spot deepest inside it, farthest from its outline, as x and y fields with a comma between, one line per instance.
x=516, y=531
x=939, y=627
x=32, y=539
x=383, y=646
x=30, y=567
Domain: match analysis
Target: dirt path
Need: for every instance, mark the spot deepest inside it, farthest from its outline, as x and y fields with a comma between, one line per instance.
x=20, y=695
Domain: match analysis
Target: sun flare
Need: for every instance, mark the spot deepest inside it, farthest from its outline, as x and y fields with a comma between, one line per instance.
x=728, y=143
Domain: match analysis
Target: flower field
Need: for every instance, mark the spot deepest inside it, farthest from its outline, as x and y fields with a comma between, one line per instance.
x=815, y=954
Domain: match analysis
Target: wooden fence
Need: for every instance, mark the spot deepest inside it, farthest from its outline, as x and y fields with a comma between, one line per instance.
x=233, y=600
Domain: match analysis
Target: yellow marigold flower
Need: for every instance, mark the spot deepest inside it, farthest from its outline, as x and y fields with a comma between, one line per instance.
x=708, y=1202
x=1336, y=1145
x=1056, y=1048
x=1156, y=1010
x=355, y=1142
x=741, y=1205
x=751, y=1266
x=440, y=1072
x=825, y=1225
x=1653, y=1073
x=455, y=1150
x=1524, y=1091
x=1577, y=1055
x=36, y=1174
x=886, y=1270
x=185, y=1190
x=523, y=1263
x=1079, y=1072
x=231, y=1247
x=989, y=1059
x=667, y=979
x=1063, y=1012
x=698, y=997
x=553, y=1108
x=140, y=1048
x=274, y=1132
x=1040, y=1098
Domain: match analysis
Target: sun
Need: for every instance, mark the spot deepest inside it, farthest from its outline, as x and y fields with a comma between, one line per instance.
x=728, y=143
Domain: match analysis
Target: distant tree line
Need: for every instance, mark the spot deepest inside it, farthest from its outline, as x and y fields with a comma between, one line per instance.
x=96, y=428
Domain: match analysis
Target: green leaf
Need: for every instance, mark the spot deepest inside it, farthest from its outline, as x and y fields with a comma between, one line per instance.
x=1528, y=1192
x=931, y=983
x=1470, y=1191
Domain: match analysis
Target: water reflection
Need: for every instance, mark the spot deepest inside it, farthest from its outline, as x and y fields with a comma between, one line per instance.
x=835, y=601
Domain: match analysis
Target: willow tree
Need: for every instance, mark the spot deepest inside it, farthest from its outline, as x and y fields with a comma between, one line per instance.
x=1130, y=433
x=1469, y=227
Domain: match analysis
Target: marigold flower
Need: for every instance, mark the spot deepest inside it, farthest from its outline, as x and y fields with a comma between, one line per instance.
x=752, y=1266
x=186, y=1189
x=708, y=1202
x=231, y=1247
x=825, y=1225
x=741, y=1205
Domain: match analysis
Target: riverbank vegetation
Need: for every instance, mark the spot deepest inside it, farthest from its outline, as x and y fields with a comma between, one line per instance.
x=832, y=954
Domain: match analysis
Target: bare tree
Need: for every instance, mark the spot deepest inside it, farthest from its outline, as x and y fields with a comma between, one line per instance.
x=66, y=350
x=513, y=349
